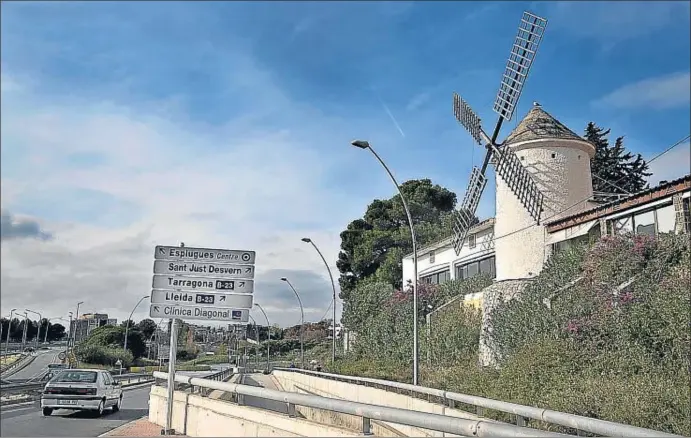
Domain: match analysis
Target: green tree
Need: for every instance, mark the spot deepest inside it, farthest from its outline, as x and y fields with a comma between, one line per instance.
x=615, y=170
x=114, y=337
x=56, y=332
x=373, y=246
x=147, y=327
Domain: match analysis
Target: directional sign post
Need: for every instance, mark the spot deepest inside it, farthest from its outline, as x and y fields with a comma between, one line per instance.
x=241, y=301
x=199, y=284
x=182, y=282
x=204, y=269
x=200, y=313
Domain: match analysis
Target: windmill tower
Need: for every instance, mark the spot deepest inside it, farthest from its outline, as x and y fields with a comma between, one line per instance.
x=542, y=168
x=559, y=163
x=517, y=179
x=542, y=171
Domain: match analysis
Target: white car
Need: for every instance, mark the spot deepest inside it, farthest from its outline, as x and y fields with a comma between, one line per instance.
x=82, y=390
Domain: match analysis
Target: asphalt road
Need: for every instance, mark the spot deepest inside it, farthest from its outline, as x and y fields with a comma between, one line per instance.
x=37, y=366
x=27, y=421
x=264, y=381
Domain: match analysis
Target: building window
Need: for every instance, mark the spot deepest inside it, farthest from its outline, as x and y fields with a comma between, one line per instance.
x=645, y=223
x=485, y=266
x=431, y=257
x=554, y=155
x=665, y=219
x=650, y=222
x=471, y=241
x=437, y=277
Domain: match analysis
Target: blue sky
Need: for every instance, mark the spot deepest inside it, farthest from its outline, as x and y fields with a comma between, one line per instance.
x=228, y=123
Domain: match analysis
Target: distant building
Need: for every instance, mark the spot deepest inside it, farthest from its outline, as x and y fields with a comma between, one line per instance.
x=87, y=322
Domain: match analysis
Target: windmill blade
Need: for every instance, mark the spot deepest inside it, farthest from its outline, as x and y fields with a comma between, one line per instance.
x=467, y=117
x=530, y=32
x=463, y=218
x=519, y=180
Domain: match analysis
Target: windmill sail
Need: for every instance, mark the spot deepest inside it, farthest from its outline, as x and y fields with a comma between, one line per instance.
x=463, y=218
x=519, y=180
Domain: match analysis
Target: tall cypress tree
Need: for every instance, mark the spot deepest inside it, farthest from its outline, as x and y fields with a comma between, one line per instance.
x=615, y=170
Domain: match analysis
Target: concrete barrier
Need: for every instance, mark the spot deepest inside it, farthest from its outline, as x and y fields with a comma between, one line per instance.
x=306, y=384
x=195, y=415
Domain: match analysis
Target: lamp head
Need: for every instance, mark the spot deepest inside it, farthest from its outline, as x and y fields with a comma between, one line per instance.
x=284, y=279
x=362, y=144
x=306, y=239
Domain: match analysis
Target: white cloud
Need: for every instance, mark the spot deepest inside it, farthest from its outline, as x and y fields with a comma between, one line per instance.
x=613, y=22
x=662, y=92
x=672, y=165
x=417, y=101
x=155, y=179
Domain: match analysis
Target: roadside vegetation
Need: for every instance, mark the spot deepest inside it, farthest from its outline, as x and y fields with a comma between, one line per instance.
x=598, y=350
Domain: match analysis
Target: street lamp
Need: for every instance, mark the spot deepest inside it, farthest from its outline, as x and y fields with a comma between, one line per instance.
x=256, y=335
x=26, y=319
x=9, y=330
x=302, y=322
x=40, y=321
x=365, y=145
x=268, y=338
x=76, y=318
x=333, y=286
x=127, y=325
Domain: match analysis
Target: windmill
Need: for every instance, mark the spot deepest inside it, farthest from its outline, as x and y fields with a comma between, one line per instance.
x=507, y=165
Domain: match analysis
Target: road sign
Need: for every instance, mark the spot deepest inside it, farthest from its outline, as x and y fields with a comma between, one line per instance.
x=62, y=355
x=203, y=284
x=203, y=254
x=200, y=312
x=228, y=271
x=163, y=351
x=243, y=301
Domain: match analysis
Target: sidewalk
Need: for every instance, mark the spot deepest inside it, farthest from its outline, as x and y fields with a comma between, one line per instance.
x=141, y=427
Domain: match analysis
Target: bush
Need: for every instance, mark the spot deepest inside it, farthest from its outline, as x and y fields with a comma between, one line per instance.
x=614, y=345
x=100, y=355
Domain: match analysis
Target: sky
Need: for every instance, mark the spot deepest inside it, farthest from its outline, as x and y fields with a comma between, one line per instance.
x=127, y=125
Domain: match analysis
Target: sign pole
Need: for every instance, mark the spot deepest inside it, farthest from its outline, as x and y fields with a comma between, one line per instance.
x=172, y=355
x=171, y=376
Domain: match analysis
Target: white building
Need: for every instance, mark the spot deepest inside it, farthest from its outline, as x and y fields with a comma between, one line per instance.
x=512, y=248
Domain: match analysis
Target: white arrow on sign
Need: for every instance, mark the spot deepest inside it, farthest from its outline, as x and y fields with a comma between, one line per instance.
x=204, y=254
x=223, y=271
x=201, y=284
x=240, y=301
x=231, y=315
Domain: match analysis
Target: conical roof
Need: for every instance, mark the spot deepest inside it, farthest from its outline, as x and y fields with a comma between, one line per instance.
x=539, y=124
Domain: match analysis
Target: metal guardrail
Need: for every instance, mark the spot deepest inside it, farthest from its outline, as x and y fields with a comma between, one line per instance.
x=441, y=423
x=578, y=422
x=17, y=365
x=16, y=388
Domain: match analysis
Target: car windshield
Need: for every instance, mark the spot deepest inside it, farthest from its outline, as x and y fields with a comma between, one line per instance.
x=76, y=377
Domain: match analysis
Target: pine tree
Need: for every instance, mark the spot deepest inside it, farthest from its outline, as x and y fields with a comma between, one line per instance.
x=615, y=170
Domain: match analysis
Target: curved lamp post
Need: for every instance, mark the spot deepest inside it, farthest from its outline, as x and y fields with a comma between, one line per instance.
x=26, y=320
x=40, y=321
x=365, y=145
x=302, y=322
x=256, y=335
x=9, y=330
x=127, y=325
x=76, y=318
x=268, y=338
x=333, y=286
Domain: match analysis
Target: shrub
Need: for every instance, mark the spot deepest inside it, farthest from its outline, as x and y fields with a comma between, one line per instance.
x=100, y=355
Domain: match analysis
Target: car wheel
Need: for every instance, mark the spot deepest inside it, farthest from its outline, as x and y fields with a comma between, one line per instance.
x=47, y=412
x=101, y=407
x=118, y=405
